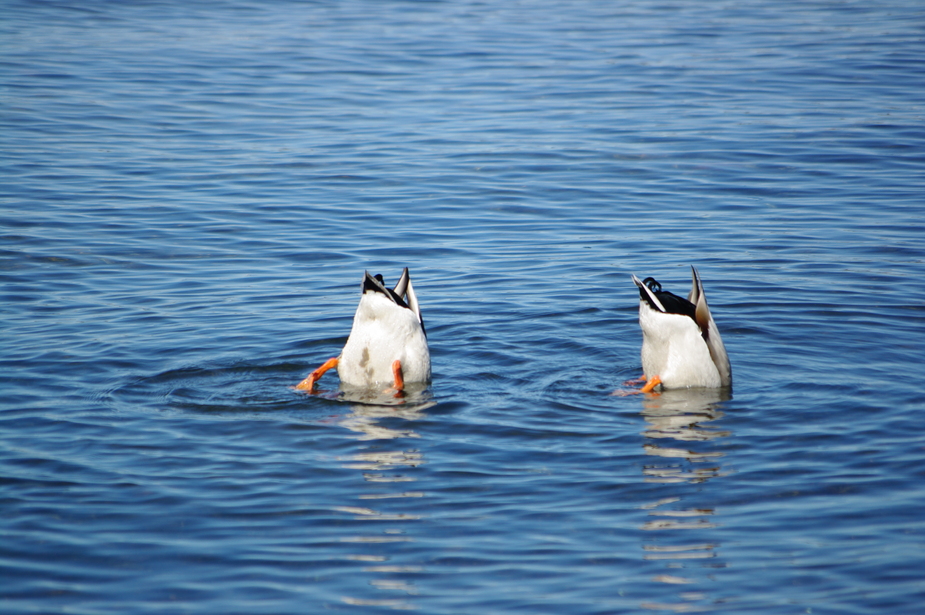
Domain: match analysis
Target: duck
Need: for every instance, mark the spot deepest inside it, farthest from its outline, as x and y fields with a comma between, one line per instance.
x=387, y=345
x=681, y=344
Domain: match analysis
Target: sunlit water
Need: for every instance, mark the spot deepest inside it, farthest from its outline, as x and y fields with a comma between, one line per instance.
x=192, y=191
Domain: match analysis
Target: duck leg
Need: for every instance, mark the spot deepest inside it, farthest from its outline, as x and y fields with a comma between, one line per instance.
x=309, y=383
x=399, y=376
x=653, y=382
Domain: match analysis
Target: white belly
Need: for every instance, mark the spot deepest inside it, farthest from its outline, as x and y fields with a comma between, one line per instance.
x=382, y=333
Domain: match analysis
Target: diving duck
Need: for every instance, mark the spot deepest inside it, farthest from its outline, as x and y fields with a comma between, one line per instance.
x=681, y=346
x=387, y=344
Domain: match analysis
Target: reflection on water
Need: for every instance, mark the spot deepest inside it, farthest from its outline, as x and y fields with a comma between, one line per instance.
x=683, y=414
x=369, y=408
x=681, y=439
x=387, y=471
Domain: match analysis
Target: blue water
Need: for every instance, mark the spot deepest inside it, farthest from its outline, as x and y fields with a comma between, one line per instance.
x=192, y=191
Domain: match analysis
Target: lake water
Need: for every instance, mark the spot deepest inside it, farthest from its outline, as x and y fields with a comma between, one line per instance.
x=192, y=191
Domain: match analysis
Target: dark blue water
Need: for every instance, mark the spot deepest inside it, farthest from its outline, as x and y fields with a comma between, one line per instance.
x=192, y=191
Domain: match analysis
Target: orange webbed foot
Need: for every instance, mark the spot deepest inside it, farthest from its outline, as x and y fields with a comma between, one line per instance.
x=653, y=382
x=309, y=383
x=650, y=385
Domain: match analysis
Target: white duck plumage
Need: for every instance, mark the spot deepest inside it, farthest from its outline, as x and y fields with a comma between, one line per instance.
x=681, y=345
x=387, y=344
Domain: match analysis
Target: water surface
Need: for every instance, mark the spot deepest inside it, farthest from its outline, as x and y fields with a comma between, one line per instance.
x=191, y=194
